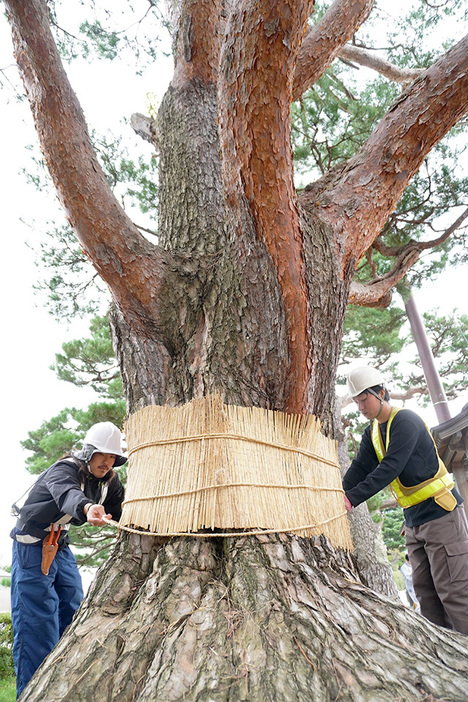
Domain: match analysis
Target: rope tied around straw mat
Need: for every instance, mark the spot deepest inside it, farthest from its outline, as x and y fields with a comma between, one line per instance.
x=208, y=469
x=238, y=437
x=222, y=534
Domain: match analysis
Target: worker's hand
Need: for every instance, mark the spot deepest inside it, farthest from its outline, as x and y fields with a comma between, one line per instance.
x=347, y=504
x=96, y=515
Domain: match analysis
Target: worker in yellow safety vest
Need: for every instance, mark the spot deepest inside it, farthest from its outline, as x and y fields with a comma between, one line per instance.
x=397, y=450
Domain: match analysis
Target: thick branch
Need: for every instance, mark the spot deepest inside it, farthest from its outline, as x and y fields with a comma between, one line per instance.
x=146, y=128
x=109, y=238
x=359, y=197
x=366, y=58
x=377, y=293
x=260, y=52
x=325, y=41
x=198, y=41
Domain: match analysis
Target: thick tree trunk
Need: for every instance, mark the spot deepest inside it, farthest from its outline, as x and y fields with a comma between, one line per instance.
x=245, y=295
x=251, y=618
x=226, y=322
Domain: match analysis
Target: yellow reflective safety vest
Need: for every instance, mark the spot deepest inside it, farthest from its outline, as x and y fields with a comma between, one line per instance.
x=438, y=487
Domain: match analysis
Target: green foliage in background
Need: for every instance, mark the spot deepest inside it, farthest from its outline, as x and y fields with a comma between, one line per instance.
x=382, y=336
x=329, y=123
x=391, y=529
x=8, y=689
x=333, y=120
x=6, y=646
x=396, y=559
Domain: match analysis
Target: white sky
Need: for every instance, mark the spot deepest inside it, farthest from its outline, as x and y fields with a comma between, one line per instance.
x=31, y=392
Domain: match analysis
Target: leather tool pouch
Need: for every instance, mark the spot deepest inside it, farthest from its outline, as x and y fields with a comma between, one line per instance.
x=49, y=549
x=48, y=555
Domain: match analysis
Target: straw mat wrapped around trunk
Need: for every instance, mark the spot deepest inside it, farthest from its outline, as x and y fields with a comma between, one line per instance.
x=209, y=466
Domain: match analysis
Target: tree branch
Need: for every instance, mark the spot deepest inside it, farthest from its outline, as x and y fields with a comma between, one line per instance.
x=385, y=250
x=378, y=293
x=199, y=30
x=109, y=238
x=359, y=196
x=325, y=41
x=146, y=128
x=366, y=58
x=259, y=54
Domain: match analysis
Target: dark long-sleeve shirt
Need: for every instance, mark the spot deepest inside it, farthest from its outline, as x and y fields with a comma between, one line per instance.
x=411, y=456
x=58, y=492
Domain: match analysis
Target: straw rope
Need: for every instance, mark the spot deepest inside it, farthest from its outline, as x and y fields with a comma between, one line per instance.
x=238, y=437
x=314, y=488
x=222, y=534
x=207, y=468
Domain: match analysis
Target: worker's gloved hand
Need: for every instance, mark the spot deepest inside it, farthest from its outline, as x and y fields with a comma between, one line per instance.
x=96, y=515
x=347, y=504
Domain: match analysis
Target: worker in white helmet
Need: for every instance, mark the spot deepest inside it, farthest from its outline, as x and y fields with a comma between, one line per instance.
x=397, y=449
x=46, y=588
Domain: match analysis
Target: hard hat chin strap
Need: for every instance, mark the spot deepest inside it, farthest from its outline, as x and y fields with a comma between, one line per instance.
x=380, y=408
x=372, y=392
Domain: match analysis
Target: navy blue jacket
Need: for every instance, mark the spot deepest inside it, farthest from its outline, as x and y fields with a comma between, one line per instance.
x=58, y=492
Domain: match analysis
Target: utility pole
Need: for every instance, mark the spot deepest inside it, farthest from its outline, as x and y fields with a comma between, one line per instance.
x=436, y=390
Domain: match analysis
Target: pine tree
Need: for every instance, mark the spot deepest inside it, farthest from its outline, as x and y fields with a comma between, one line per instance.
x=244, y=294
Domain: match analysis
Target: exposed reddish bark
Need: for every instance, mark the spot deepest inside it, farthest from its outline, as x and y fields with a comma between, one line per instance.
x=325, y=40
x=254, y=87
x=245, y=296
x=120, y=254
x=263, y=39
x=358, y=199
x=198, y=41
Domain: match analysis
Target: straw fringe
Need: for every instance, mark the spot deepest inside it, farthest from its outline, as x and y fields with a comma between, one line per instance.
x=210, y=466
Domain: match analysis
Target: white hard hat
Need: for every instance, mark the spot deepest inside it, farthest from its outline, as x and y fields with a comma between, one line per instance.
x=105, y=437
x=363, y=378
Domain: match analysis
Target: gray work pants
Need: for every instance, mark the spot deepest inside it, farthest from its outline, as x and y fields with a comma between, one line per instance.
x=438, y=553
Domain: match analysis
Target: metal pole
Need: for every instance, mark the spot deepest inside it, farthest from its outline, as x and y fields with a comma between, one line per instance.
x=436, y=390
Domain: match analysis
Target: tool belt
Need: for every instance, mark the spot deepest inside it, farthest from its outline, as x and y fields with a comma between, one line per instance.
x=49, y=548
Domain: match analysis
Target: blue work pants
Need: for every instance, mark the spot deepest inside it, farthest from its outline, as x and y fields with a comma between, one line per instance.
x=42, y=606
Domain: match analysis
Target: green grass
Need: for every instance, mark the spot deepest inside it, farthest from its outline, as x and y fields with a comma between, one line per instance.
x=8, y=689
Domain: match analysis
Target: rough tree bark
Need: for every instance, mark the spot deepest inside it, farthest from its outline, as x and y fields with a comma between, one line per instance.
x=257, y=618
x=245, y=294
x=369, y=550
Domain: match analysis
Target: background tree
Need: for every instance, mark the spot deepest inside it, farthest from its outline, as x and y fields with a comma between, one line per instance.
x=245, y=293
